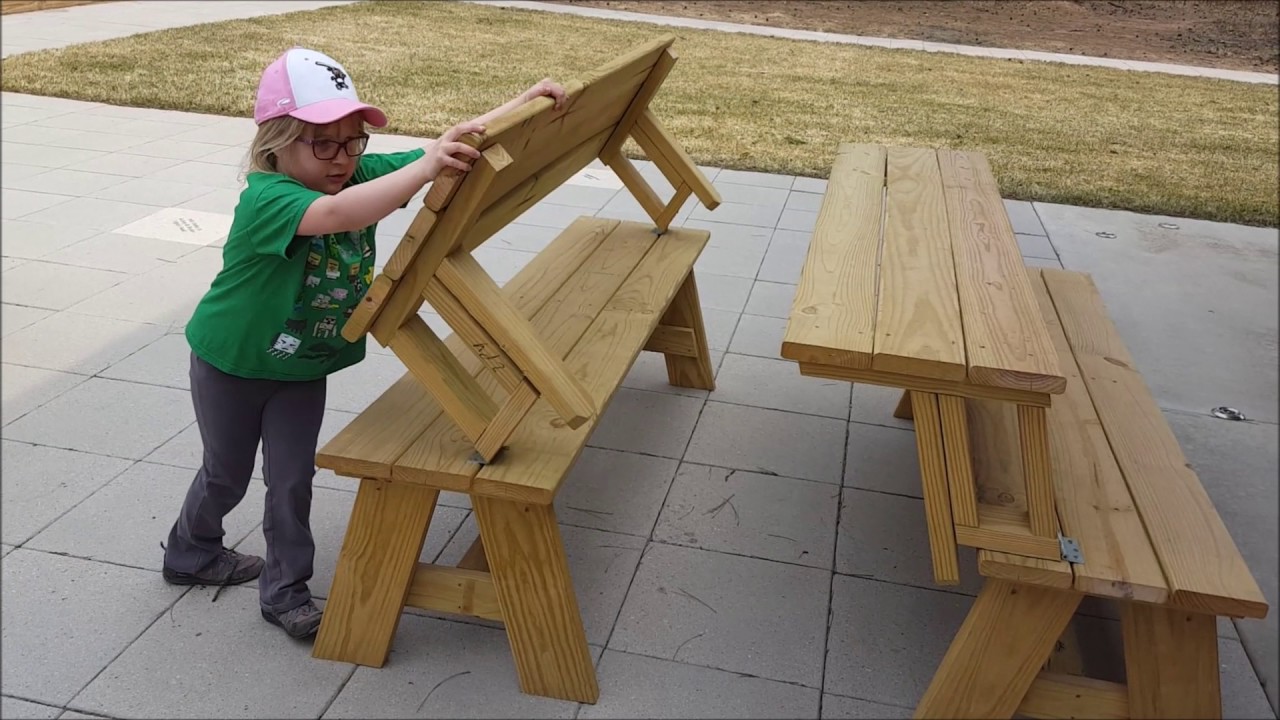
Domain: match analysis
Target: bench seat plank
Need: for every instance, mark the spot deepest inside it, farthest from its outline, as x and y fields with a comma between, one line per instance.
x=371, y=443
x=833, y=316
x=543, y=448
x=918, y=328
x=1093, y=501
x=1005, y=340
x=1201, y=563
x=441, y=456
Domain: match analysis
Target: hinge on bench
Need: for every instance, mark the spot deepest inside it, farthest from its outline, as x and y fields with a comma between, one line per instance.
x=1070, y=549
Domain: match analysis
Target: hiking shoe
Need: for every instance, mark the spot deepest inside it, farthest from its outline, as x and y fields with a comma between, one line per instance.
x=229, y=568
x=300, y=622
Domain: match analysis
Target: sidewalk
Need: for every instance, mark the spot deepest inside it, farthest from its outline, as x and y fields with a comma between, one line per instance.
x=112, y=222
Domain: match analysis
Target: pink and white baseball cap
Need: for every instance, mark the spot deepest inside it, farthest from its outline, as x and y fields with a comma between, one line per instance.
x=312, y=87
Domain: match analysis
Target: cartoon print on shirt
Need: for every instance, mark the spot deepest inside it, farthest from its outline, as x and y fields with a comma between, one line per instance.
x=312, y=281
x=313, y=260
x=332, y=270
x=320, y=302
x=339, y=294
x=296, y=324
x=285, y=345
x=326, y=327
x=353, y=272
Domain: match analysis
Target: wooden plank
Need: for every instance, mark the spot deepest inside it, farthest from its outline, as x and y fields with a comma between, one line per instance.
x=476, y=337
x=1171, y=662
x=440, y=456
x=1093, y=502
x=473, y=287
x=414, y=238
x=505, y=422
x=671, y=340
x=1005, y=340
x=672, y=208
x=636, y=185
x=833, y=316
x=1201, y=563
x=955, y=440
x=918, y=328
x=454, y=590
x=937, y=499
x=541, y=451
x=389, y=523
x=1033, y=438
x=922, y=384
x=661, y=68
x=436, y=367
x=1055, y=696
x=996, y=655
x=1007, y=530
x=1026, y=570
x=672, y=160
x=996, y=453
x=685, y=313
x=445, y=235
x=375, y=439
x=539, y=608
x=446, y=183
x=525, y=195
x=370, y=305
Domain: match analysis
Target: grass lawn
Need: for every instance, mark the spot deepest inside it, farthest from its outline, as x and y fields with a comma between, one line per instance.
x=1056, y=133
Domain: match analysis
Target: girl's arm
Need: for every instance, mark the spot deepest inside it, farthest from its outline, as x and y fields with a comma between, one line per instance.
x=361, y=205
x=544, y=87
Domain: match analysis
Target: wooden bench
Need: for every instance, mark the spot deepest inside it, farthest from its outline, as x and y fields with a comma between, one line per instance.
x=1148, y=538
x=1038, y=441
x=502, y=409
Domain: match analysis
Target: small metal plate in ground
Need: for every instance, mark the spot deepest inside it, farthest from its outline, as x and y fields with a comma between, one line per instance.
x=194, y=227
x=596, y=177
x=1227, y=413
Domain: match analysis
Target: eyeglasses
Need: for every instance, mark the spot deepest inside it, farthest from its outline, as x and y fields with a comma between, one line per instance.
x=328, y=149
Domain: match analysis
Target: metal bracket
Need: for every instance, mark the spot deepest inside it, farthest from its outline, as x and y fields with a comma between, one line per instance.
x=478, y=459
x=1070, y=549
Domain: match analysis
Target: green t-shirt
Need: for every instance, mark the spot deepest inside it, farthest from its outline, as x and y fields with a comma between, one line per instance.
x=277, y=307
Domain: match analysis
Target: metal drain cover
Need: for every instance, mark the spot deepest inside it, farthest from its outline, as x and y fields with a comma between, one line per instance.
x=1105, y=234
x=1169, y=225
x=1227, y=413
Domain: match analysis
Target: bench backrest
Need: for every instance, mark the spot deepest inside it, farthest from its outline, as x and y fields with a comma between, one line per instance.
x=525, y=155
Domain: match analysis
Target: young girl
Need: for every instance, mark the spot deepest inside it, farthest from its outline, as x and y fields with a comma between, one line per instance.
x=298, y=259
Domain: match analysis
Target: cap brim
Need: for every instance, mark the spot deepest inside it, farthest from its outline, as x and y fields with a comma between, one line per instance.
x=331, y=111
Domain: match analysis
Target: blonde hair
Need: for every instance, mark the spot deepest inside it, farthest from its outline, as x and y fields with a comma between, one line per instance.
x=273, y=136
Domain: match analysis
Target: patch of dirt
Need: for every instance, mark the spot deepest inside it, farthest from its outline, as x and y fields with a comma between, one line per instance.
x=1227, y=34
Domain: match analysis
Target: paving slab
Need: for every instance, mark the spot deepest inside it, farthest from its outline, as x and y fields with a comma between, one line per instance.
x=733, y=613
x=839, y=706
x=778, y=385
x=221, y=652
x=633, y=686
x=768, y=441
x=722, y=292
x=1209, y=281
x=759, y=336
x=883, y=459
x=180, y=284
x=121, y=253
x=874, y=405
x=111, y=605
x=15, y=709
x=74, y=343
x=165, y=361
x=784, y=262
x=645, y=422
x=744, y=513
x=26, y=388
x=771, y=299
x=614, y=491
x=732, y=249
x=54, y=286
x=41, y=483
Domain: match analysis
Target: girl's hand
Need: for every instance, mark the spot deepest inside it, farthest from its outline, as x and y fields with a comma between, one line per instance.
x=546, y=86
x=448, y=152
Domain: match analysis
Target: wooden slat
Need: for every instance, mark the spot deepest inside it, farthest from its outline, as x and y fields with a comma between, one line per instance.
x=1092, y=499
x=672, y=160
x=473, y=287
x=476, y=337
x=439, y=455
x=371, y=443
x=955, y=438
x=1055, y=696
x=414, y=238
x=672, y=208
x=918, y=328
x=1027, y=570
x=922, y=384
x=671, y=340
x=833, y=316
x=661, y=68
x=453, y=590
x=437, y=368
x=542, y=450
x=445, y=235
x=636, y=185
x=370, y=305
x=446, y=183
x=937, y=498
x=996, y=453
x=1033, y=439
x=1201, y=563
x=1007, y=530
x=505, y=422
x=685, y=313
x=1005, y=340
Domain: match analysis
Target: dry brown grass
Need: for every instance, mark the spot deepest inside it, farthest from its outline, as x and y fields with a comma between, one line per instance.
x=1056, y=133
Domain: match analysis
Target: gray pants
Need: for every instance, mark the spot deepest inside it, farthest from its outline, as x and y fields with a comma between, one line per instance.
x=233, y=413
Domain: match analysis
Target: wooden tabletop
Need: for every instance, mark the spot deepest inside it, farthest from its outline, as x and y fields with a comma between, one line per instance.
x=914, y=279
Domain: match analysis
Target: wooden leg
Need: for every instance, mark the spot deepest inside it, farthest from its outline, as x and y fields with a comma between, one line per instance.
x=375, y=567
x=993, y=660
x=474, y=558
x=955, y=440
x=1171, y=662
x=539, y=607
x=937, y=496
x=903, y=411
x=686, y=311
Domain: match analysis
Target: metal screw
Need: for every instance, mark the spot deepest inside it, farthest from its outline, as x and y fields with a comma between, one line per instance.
x=1105, y=234
x=1227, y=413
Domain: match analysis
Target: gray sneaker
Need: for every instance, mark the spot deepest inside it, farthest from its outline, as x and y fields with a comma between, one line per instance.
x=300, y=622
x=229, y=568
